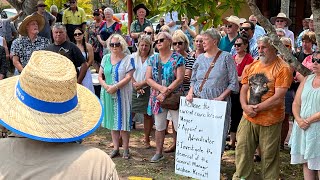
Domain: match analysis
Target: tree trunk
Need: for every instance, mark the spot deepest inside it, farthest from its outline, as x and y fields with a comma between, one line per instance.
x=285, y=7
x=27, y=6
x=315, y=7
x=288, y=57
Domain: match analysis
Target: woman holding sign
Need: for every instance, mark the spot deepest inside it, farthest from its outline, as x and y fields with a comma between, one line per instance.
x=165, y=74
x=214, y=75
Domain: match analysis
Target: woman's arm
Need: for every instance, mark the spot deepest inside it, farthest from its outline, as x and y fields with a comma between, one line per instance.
x=189, y=96
x=121, y=83
x=6, y=49
x=178, y=81
x=296, y=107
x=153, y=83
x=90, y=54
x=101, y=79
x=102, y=42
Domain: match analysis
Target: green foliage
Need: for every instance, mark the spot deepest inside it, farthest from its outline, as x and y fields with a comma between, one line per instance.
x=85, y=4
x=208, y=11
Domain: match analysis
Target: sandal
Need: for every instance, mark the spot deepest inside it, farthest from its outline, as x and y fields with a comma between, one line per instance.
x=114, y=153
x=229, y=147
x=126, y=154
x=156, y=158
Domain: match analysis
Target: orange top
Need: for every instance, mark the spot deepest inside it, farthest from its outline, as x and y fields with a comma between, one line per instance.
x=262, y=83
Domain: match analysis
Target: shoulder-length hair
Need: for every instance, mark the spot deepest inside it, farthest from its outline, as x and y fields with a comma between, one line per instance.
x=123, y=43
x=146, y=39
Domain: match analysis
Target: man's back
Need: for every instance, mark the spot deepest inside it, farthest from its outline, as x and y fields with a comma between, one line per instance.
x=22, y=158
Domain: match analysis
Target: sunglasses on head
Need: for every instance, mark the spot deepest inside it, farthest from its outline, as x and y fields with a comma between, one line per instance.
x=77, y=34
x=316, y=60
x=237, y=44
x=175, y=43
x=148, y=33
x=228, y=25
x=115, y=44
x=245, y=28
x=159, y=40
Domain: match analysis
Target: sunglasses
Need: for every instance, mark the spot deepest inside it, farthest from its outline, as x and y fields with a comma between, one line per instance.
x=77, y=34
x=148, y=33
x=228, y=25
x=175, y=43
x=72, y=2
x=316, y=60
x=287, y=45
x=200, y=41
x=245, y=28
x=42, y=5
x=279, y=20
x=237, y=44
x=115, y=44
x=159, y=40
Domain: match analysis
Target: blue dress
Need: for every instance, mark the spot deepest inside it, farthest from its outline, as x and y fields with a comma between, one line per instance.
x=305, y=144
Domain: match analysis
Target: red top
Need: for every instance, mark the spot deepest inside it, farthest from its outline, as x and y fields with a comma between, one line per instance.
x=247, y=59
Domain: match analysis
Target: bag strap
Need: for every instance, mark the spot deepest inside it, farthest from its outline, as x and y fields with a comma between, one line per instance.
x=159, y=69
x=209, y=70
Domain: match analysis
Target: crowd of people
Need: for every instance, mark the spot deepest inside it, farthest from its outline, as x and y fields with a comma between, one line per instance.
x=236, y=63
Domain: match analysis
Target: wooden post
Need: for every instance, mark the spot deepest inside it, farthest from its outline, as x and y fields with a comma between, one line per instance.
x=129, y=7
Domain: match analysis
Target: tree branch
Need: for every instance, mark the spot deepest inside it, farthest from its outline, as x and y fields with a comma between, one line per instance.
x=315, y=7
x=288, y=57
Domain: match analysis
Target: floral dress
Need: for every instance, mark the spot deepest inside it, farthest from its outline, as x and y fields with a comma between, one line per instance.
x=117, y=106
x=168, y=75
x=93, y=31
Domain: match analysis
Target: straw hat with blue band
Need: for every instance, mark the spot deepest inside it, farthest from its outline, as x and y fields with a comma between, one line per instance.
x=45, y=102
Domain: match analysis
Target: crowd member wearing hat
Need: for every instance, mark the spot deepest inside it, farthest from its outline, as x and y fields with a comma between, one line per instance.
x=49, y=20
x=91, y=38
x=73, y=17
x=46, y=109
x=70, y=50
x=115, y=74
x=258, y=30
x=29, y=41
x=232, y=25
x=247, y=30
x=281, y=21
x=311, y=28
x=138, y=25
x=54, y=11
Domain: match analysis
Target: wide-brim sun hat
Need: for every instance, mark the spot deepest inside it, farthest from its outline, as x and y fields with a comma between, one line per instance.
x=232, y=19
x=34, y=17
x=135, y=9
x=281, y=16
x=45, y=103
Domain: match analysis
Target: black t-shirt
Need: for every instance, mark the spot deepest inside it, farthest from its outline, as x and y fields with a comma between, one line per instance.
x=69, y=50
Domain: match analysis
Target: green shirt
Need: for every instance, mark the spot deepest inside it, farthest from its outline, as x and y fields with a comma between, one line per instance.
x=137, y=27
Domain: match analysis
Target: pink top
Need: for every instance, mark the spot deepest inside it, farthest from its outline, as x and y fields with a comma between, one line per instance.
x=307, y=62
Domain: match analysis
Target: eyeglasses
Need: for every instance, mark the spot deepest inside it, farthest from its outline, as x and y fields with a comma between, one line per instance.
x=200, y=41
x=42, y=5
x=159, y=40
x=279, y=20
x=77, y=34
x=228, y=25
x=118, y=44
x=237, y=44
x=245, y=28
x=316, y=60
x=146, y=32
x=175, y=43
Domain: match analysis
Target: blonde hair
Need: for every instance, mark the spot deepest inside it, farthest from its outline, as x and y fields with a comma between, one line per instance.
x=146, y=39
x=180, y=36
x=165, y=28
x=123, y=43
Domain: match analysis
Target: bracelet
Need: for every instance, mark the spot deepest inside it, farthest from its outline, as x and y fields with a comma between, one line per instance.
x=115, y=85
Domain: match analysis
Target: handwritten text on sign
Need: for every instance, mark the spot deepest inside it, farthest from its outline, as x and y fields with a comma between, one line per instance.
x=199, y=139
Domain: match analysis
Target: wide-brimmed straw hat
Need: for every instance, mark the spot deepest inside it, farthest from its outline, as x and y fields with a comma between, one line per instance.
x=232, y=19
x=34, y=17
x=281, y=16
x=135, y=9
x=46, y=103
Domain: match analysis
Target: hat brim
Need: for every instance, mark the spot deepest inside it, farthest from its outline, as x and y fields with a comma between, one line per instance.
x=273, y=20
x=135, y=9
x=74, y=125
x=36, y=17
x=225, y=21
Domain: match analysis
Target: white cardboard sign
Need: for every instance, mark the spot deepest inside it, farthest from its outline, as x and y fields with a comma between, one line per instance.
x=199, y=139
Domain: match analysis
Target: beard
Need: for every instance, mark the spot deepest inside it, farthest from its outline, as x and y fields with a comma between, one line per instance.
x=262, y=58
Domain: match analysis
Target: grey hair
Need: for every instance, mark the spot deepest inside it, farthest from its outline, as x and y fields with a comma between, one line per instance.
x=281, y=30
x=166, y=35
x=123, y=42
x=53, y=8
x=147, y=39
x=108, y=9
x=59, y=25
x=266, y=40
x=213, y=33
x=286, y=40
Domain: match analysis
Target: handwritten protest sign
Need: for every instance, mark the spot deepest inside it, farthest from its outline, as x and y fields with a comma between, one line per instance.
x=199, y=140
